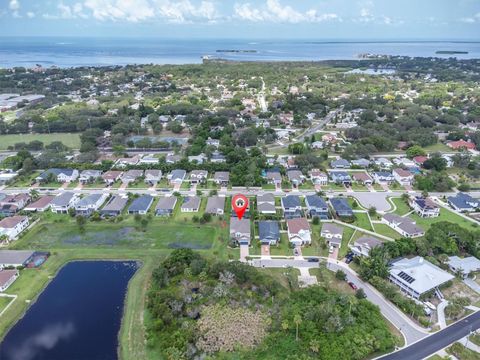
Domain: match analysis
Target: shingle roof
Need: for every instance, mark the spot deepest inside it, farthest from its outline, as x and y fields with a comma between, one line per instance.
x=116, y=203
x=89, y=200
x=141, y=203
x=15, y=256
x=63, y=199
x=192, y=202
x=298, y=224
x=268, y=230
x=166, y=203
x=291, y=201
x=315, y=201
x=332, y=229
x=11, y=222
x=215, y=203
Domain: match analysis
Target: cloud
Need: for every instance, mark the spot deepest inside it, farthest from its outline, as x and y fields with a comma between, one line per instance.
x=184, y=11
x=47, y=338
x=73, y=11
x=129, y=10
x=14, y=5
x=274, y=11
x=471, y=20
x=30, y=14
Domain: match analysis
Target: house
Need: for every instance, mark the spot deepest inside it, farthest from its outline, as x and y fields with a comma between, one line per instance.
x=383, y=177
x=274, y=177
x=404, y=162
x=292, y=207
x=129, y=161
x=461, y=144
x=15, y=258
x=463, y=266
x=41, y=205
x=404, y=177
x=58, y=175
x=340, y=207
x=316, y=206
x=114, y=206
x=198, y=176
x=221, y=178
x=424, y=207
x=215, y=205
x=217, y=157
x=339, y=164
x=111, y=176
x=152, y=177
x=295, y=177
x=332, y=233
x=299, y=232
x=268, y=232
x=13, y=226
x=317, y=177
x=64, y=201
x=463, y=202
x=213, y=142
x=149, y=160
x=317, y=145
x=177, y=176
x=141, y=205
x=361, y=163
x=89, y=176
x=190, y=204
x=7, y=176
x=131, y=176
x=198, y=159
x=165, y=206
x=419, y=160
x=11, y=204
x=90, y=203
x=340, y=177
x=403, y=225
x=362, y=178
x=383, y=163
x=363, y=245
x=266, y=204
x=172, y=158
x=417, y=276
x=7, y=277
x=240, y=231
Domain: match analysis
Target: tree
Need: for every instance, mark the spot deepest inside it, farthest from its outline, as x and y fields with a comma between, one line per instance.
x=340, y=275
x=297, y=319
x=415, y=150
x=372, y=211
x=285, y=325
x=81, y=221
x=360, y=294
x=34, y=194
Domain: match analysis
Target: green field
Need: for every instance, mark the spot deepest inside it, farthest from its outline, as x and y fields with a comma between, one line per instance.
x=445, y=215
x=4, y=301
x=402, y=206
x=70, y=140
x=362, y=220
x=386, y=230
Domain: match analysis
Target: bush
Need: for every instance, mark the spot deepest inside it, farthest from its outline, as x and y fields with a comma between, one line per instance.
x=316, y=220
x=340, y=275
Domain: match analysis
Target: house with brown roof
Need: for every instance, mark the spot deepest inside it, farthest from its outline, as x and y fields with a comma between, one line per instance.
x=13, y=226
x=404, y=177
x=299, y=232
x=11, y=204
x=41, y=205
x=7, y=277
x=461, y=144
x=362, y=178
x=112, y=176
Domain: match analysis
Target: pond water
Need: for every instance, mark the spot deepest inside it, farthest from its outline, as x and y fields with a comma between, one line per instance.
x=77, y=317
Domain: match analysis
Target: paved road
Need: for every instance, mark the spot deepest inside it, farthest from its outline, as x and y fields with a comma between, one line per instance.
x=283, y=263
x=437, y=341
x=411, y=331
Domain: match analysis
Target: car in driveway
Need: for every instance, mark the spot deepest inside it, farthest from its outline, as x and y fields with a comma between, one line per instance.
x=330, y=250
x=352, y=285
x=296, y=252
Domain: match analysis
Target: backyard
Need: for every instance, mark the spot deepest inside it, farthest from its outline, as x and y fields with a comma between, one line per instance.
x=70, y=140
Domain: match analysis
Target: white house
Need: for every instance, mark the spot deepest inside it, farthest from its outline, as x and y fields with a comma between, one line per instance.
x=299, y=232
x=13, y=226
x=404, y=177
x=64, y=201
x=318, y=177
x=424, y=207
x=465, y=266
x=332, y=233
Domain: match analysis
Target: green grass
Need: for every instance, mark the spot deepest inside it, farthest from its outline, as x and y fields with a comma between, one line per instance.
x=268, y=187
x=386, y=230
x=462, y=353
x=402, y=206
x=445, y=215
x=25, y=181
x=4, y=301
x=475, y=339
x=438, y=147
x=347, y=235
x=362, y=220
x=70, y=140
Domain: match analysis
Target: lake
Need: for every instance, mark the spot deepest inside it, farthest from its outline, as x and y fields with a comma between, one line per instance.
x=77, y=316
x=77, y=51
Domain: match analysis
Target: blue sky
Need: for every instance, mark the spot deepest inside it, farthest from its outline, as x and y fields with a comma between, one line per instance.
x=337, y=19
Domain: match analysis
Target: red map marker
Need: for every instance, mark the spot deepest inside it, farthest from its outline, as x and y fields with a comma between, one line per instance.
x=239, y=205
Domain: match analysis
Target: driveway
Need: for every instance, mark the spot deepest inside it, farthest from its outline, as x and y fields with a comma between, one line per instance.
x=283, y=263
x=472, y=284
x=244, y=252
x=334, y=254
x=265, y=250
x=375, y=199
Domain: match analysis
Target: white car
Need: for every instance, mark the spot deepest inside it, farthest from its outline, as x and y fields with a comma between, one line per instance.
x=330, y=250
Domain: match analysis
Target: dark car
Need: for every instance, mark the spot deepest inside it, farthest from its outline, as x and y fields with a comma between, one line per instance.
x=313, y=260
x=348, y=260
x=352, y=285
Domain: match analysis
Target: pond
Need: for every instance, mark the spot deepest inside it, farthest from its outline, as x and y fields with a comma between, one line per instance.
x=76, y=317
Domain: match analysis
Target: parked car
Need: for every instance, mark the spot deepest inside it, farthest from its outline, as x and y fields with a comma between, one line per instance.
x=295, y=252
x=313, y=260
x=348, y=260
x=352, y=285
x=330, y=250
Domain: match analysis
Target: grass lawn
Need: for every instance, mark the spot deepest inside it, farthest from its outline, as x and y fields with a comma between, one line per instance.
x=362, y=220
x=378, y=187
x=307, y=186
x=347, y=235
x=99, y=184
x=462, y=353
x=475, y=339
x=25, y=181
x=402, y=206
x=438, y=147
x=326, y=278
x=268, y=187
x=445, y=215
x=4, y=301
x=386, y=230
x=359, y=187
x=138, y=185
x=70, y=140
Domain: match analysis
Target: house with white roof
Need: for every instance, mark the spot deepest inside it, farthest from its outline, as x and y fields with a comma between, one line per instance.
x=417, y=276
x=464, y=266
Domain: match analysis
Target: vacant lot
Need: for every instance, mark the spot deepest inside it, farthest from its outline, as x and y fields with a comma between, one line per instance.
x=70, y=140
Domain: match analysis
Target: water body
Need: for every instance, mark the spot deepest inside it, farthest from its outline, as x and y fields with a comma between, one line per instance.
x=77, y=317
x=74, y=51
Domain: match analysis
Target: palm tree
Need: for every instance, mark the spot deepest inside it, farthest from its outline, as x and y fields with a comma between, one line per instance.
x=315, y=345
x=34, y=194
x=297, y=320
x=285, y=325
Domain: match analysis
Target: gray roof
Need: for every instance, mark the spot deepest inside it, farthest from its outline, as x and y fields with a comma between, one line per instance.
x=274, y=175
x=467, y=265
x=91, y=173
x=166, y=203
x=291, y=201
x=116, y=203
x=332, y=229
x=404, y=223
x=177, y=174
x=340, y=163
x=315, y=201
x=153, y=173
x=222, y=176
x=63, y=199
x=214, y=203
x=89, y=200
x=294, y=175
x=15, y=256
x=132, y=174
x=141, y=203
x=56, y=172
x=192, y=202
x=267, y=197
x=268, y=230
x=241, y=226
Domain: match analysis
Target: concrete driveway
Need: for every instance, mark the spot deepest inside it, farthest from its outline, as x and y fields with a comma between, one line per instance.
x=375, y=199
x=244, y=252
x=265, y=250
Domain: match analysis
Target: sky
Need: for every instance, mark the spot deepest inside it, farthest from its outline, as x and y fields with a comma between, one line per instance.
x=335, y=19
